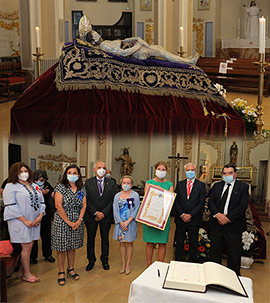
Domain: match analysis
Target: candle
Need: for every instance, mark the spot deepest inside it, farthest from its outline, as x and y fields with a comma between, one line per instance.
x=37, y=36
x=262, y=35
x=181, y=36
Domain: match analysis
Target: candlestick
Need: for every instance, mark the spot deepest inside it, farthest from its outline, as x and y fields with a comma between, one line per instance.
x=37, y=36
x=38, y=56
x=181, y=51
x=259, y=121
x=262, y=35
x=181, y=36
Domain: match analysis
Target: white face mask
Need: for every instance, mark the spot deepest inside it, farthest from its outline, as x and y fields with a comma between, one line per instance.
x=23, y=176
x=101, y=172
x=161, y=173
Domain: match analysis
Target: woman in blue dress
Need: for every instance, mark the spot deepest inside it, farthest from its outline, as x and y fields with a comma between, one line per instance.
x=125, y=208
x=24, y=209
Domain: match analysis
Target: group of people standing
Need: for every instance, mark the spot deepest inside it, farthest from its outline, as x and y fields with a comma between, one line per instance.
x=97, y=202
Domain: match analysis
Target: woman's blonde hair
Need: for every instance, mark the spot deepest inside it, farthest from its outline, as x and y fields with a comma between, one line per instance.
x=161, y=163
x=128, y=177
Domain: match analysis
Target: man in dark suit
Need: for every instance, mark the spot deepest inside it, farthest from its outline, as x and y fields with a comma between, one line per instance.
x=100, y=192
x=228, y=201
x=189, y=205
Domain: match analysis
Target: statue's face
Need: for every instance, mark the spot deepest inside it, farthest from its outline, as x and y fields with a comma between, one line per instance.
x=253, y=3
x=96, y=37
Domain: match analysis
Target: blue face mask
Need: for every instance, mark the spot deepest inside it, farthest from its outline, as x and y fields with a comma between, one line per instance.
x=126, y=187
x=228, y=179
x=72, y=178
x=40, y=184
x=190, y=174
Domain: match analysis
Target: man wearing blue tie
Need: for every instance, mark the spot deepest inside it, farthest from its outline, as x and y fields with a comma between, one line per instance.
x=228, y=201
x=100, y=191
x=189, y=205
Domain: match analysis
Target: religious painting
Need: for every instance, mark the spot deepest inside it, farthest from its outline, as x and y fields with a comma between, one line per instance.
x=47, y=139
x=146, y=5
x=204, y=4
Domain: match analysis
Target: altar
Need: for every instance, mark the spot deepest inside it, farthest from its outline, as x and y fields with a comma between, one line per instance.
x=243, y=49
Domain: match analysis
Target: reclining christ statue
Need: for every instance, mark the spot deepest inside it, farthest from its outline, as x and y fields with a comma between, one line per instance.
x=134, y=46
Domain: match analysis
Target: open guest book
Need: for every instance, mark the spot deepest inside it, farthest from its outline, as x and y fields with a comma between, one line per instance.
x=197, y=277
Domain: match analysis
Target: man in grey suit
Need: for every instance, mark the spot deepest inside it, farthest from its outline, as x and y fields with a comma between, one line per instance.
x=189, y=205
x=228, y=201
x=100, y=192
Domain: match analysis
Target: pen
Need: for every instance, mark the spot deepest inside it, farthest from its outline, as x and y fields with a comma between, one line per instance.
x=158, y=273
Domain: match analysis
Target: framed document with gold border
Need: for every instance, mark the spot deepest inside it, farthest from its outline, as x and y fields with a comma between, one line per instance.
x=156, y=207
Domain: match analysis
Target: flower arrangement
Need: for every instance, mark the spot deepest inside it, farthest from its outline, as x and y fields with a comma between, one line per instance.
x=248, y=242
x=203, y=248
x=247, y=112
x=221, y=90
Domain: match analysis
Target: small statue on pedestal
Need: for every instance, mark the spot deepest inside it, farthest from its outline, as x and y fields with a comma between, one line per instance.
x=127, y=163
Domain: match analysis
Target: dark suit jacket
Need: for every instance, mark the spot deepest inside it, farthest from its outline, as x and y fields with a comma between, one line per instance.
x=193, y=206
x=237, y=206
x=96, y=203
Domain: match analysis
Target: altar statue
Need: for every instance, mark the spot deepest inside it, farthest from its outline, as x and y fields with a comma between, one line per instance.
x=251, y=29
x=127, y=163
x=137, y=48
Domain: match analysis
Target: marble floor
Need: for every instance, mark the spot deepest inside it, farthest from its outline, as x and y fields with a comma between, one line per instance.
x=99, y=285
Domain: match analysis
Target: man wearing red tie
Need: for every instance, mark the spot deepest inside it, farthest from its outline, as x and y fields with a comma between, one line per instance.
x=228, y=201
x=189, y=205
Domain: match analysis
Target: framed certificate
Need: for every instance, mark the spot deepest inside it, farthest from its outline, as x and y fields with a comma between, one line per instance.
x=156, y=207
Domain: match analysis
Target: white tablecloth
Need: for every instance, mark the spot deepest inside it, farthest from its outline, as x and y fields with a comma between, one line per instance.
x=242, y=43
x=148, y=288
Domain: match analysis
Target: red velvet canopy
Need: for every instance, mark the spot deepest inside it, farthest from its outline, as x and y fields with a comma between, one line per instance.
x=42, y=108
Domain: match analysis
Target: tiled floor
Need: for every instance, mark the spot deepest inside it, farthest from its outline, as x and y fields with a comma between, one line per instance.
x=99, y=285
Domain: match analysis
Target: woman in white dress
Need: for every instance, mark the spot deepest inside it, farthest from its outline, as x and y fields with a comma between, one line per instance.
x=24, y=209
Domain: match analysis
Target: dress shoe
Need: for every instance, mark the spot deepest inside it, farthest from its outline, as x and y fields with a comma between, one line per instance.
x=89, y=266
x=50, y=259
x=106, y=266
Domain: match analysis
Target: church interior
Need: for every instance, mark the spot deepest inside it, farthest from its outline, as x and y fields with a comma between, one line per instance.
x=35, y=35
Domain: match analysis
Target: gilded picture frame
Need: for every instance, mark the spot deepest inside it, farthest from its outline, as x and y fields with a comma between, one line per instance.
x=156, y=207
x=204, y=5
x=146, y=5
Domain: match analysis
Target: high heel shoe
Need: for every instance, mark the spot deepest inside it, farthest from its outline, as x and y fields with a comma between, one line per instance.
x=75, y=276
x=61, y=281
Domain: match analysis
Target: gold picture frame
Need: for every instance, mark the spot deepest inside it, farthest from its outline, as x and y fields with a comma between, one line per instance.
x=146, y=5
x=204, y=5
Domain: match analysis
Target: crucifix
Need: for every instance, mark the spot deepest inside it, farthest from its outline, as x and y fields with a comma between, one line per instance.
x=177, y=158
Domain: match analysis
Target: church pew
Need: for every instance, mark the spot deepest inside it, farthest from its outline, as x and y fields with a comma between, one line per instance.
x=240, y=73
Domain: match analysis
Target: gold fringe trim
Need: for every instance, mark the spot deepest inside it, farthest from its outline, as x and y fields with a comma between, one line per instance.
x=152, y=92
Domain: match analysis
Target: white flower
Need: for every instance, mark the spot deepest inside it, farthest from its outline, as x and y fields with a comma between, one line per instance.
x=243, y=111
x=249, y=112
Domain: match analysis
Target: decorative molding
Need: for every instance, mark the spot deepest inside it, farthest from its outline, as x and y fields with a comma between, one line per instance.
x=101, y=139
x=198, y=27
x=11, y=26
x=149, y=31
x=60, y=158
x=83, y=138
x=187, y=146
x=218, y=147
x=249, y=146
x=10, y=16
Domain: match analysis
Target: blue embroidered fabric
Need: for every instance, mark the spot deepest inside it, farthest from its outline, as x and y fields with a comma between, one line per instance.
x=83, y=66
